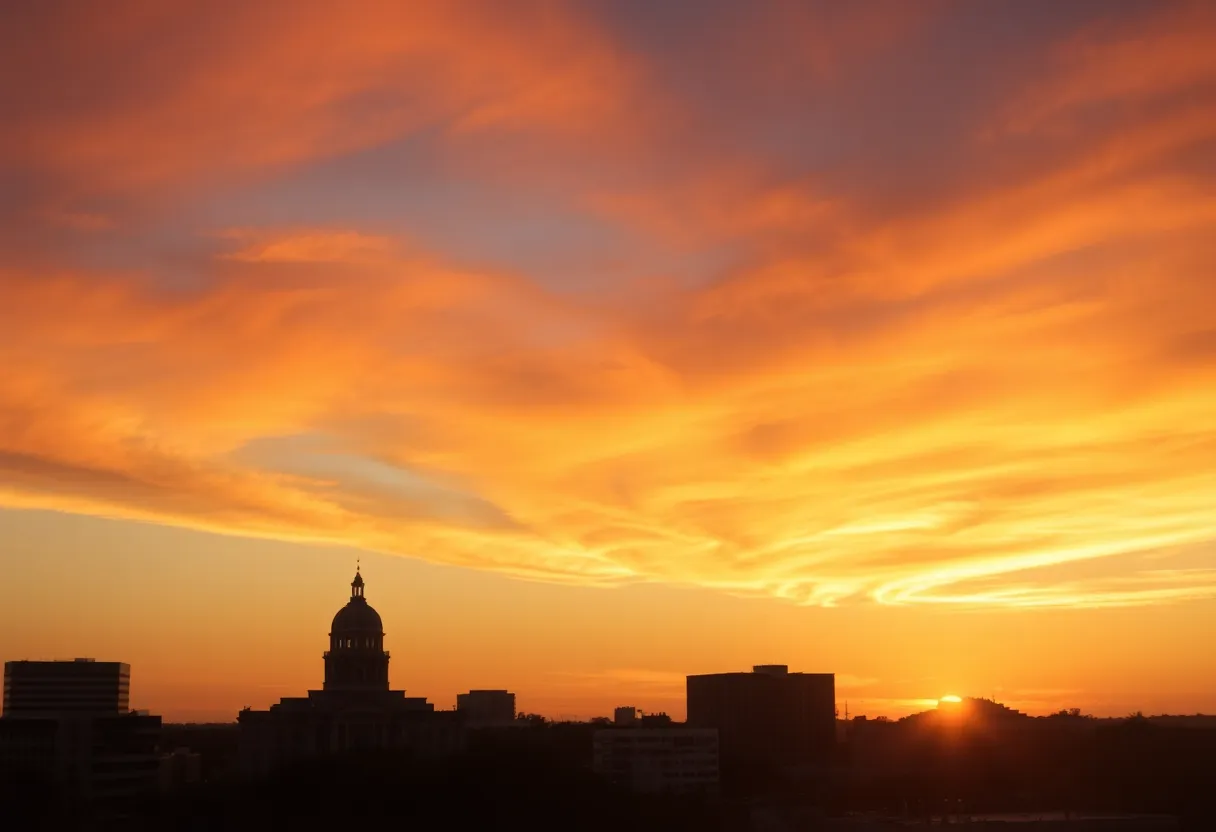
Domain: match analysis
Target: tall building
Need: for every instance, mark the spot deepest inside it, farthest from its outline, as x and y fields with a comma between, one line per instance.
x=483, y=708
x=82, y=686
x=769, y=718
x=668, y=759
x=68, y=723
x=354, y=709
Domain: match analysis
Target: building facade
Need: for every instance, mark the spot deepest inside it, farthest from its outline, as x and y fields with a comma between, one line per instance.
x=353, y=710
x=81, y=686
x=769, y=718
x=180, y=769
x=486, y=708
x=67, y=724
x=672, y=760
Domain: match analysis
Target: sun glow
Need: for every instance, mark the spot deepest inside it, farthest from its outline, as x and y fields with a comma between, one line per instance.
x=950, y=699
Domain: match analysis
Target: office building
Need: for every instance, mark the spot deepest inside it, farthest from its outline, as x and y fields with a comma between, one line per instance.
x=82, y=686
x=97, y=759
x=354, y=710
x=67, y=723
x=769, y=718
x=673, y=759
x=486, y=708
x=118, y=756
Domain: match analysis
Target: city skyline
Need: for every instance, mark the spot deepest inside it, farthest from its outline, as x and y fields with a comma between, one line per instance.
x=657, y=692
x=621, y=341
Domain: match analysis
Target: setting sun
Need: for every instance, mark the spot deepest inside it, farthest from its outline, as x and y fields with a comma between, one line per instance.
x=677, y=393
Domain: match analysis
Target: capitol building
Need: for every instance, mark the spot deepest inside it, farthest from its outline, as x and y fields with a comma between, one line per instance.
x=354, y=710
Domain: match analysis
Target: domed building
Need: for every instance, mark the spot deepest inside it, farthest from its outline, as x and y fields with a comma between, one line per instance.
x=354, y=709
x=356, y=659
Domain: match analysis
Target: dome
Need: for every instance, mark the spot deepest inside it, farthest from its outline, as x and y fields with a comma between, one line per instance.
x=357, y=616
x=356, y=658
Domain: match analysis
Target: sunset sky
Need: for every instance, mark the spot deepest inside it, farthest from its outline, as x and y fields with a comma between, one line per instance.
x=620, y=340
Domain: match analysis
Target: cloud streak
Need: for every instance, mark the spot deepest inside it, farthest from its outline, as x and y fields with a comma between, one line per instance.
x=966, y=361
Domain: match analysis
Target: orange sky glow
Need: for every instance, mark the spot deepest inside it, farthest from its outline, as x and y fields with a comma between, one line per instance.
x=620, y=340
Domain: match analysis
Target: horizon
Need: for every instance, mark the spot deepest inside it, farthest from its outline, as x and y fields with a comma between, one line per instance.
x=618, y=342
x=671, y=703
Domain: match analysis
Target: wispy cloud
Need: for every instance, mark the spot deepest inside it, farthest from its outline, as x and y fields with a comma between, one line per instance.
x=804, y=341
x=320, y=246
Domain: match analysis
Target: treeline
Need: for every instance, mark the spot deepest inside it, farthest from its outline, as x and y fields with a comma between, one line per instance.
x=1078, y=764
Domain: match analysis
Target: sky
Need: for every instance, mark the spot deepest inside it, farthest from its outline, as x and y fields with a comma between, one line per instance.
x=618, y=341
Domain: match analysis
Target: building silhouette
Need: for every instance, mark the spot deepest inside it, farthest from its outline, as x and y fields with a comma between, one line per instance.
x=356, y=659
x=353, y=710
x=625, y=716
x=486, y=708
x=66, y=725
x=81, y=686
x=769, y=718
x=179, y=769
x=659, y=758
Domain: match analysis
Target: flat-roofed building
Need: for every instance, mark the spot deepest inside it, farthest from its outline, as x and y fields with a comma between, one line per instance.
x=673, y=759
x=768, y=718
x=67, y=723
x=55, y=688
x=179, y=769
x=625, y=716
x=486, y=708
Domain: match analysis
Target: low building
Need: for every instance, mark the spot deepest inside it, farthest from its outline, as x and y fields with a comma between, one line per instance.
x=102, y=759
x=486, y=708
x=29, y=749
x=354, y=710
x=671, y=760
x=625, y=716
x=180, y=769
x=124, y=762
x=659, y=720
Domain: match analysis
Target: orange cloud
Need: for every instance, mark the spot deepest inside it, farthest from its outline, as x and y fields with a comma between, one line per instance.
x=1129, y=62
x=997, y=393
x=348, y=247
x=161, y=94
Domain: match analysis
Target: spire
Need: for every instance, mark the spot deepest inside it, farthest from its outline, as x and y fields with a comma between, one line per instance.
x=356, y=586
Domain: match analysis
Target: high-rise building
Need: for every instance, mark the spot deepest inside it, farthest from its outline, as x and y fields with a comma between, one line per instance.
x=767, y=718
x=68, y=723
x=82, y=686
x=484, y=708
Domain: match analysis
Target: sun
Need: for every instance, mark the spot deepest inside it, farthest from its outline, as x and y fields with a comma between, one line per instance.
x=950, y=699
